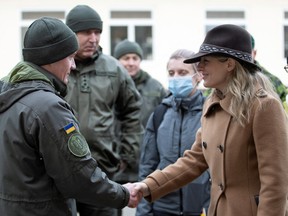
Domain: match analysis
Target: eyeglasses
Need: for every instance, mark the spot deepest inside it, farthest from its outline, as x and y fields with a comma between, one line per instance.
x=286, y=68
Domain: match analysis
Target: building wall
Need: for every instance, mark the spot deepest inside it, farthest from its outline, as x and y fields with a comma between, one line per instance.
x=176, y=24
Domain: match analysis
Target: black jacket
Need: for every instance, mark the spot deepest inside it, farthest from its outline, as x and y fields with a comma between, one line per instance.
x=44, y=159
x=100, y=91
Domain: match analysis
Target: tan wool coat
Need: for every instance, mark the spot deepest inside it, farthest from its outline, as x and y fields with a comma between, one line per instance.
x=248, y=165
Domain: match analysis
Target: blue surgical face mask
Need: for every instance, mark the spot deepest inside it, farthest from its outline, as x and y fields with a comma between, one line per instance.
x=181, y=87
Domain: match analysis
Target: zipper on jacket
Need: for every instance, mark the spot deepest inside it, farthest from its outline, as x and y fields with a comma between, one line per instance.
x=179, y=155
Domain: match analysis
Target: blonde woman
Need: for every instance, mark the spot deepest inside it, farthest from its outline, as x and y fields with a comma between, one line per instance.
x=243, y=138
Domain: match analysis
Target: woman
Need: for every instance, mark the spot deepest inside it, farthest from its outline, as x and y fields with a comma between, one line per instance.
x=243, y=138
x=181, y=113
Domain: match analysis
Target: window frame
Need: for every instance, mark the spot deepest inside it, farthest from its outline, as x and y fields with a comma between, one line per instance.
x=131, y=25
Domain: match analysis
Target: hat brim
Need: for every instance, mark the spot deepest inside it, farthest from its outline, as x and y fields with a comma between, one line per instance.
x=197, y=57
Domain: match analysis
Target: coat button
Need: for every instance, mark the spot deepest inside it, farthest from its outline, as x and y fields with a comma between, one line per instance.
x=221, y=187
x=204, y=144
x=220, y=148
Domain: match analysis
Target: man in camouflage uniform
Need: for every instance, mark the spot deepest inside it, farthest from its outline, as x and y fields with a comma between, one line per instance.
x=280, y=88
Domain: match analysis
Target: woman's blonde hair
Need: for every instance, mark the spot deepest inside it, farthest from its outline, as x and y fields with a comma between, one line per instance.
x=242, y=87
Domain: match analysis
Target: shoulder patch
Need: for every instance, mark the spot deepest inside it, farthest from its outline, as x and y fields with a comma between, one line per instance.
x=77, y=145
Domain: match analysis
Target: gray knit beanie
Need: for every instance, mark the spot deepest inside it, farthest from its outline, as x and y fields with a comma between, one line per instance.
x=83, y=17
x=124, y=47
x=48, y=40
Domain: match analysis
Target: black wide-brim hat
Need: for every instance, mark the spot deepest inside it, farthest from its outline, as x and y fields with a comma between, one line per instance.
x=227, y=40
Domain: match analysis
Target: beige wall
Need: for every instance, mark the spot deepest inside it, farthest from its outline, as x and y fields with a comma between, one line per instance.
x=176, y=24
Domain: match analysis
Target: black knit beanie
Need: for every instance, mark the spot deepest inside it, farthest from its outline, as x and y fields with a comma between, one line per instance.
x=83, y=17
x=48, y=40
x=124, y=47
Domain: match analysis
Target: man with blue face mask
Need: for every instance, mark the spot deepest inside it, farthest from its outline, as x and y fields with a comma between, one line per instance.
x=165, y=143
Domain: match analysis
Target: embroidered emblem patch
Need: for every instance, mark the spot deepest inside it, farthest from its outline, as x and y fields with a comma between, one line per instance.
x=77, y=145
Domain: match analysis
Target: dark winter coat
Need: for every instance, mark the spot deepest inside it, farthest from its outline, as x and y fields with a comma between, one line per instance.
x=101, y=92
x=44, y=159
x=152, y=92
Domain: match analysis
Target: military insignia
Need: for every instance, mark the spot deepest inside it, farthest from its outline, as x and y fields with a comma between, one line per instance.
x=69, y=128
x=77, y=145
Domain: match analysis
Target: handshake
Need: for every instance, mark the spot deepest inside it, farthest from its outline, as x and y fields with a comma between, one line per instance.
x=137, y=191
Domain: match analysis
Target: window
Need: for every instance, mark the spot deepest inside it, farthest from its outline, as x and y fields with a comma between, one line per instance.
x=138, y=28
x=118, y=33
x=143, y=36
x=214, y=18
x=286, y=34
x=29, y=16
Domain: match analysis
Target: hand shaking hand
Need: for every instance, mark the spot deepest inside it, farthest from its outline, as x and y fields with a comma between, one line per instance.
x=137, y=191
x=142, y=188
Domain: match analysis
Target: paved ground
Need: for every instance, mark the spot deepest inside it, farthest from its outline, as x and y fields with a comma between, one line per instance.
x=129, y=211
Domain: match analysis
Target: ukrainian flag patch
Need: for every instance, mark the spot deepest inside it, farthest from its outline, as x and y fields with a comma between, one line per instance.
x=69, y=128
